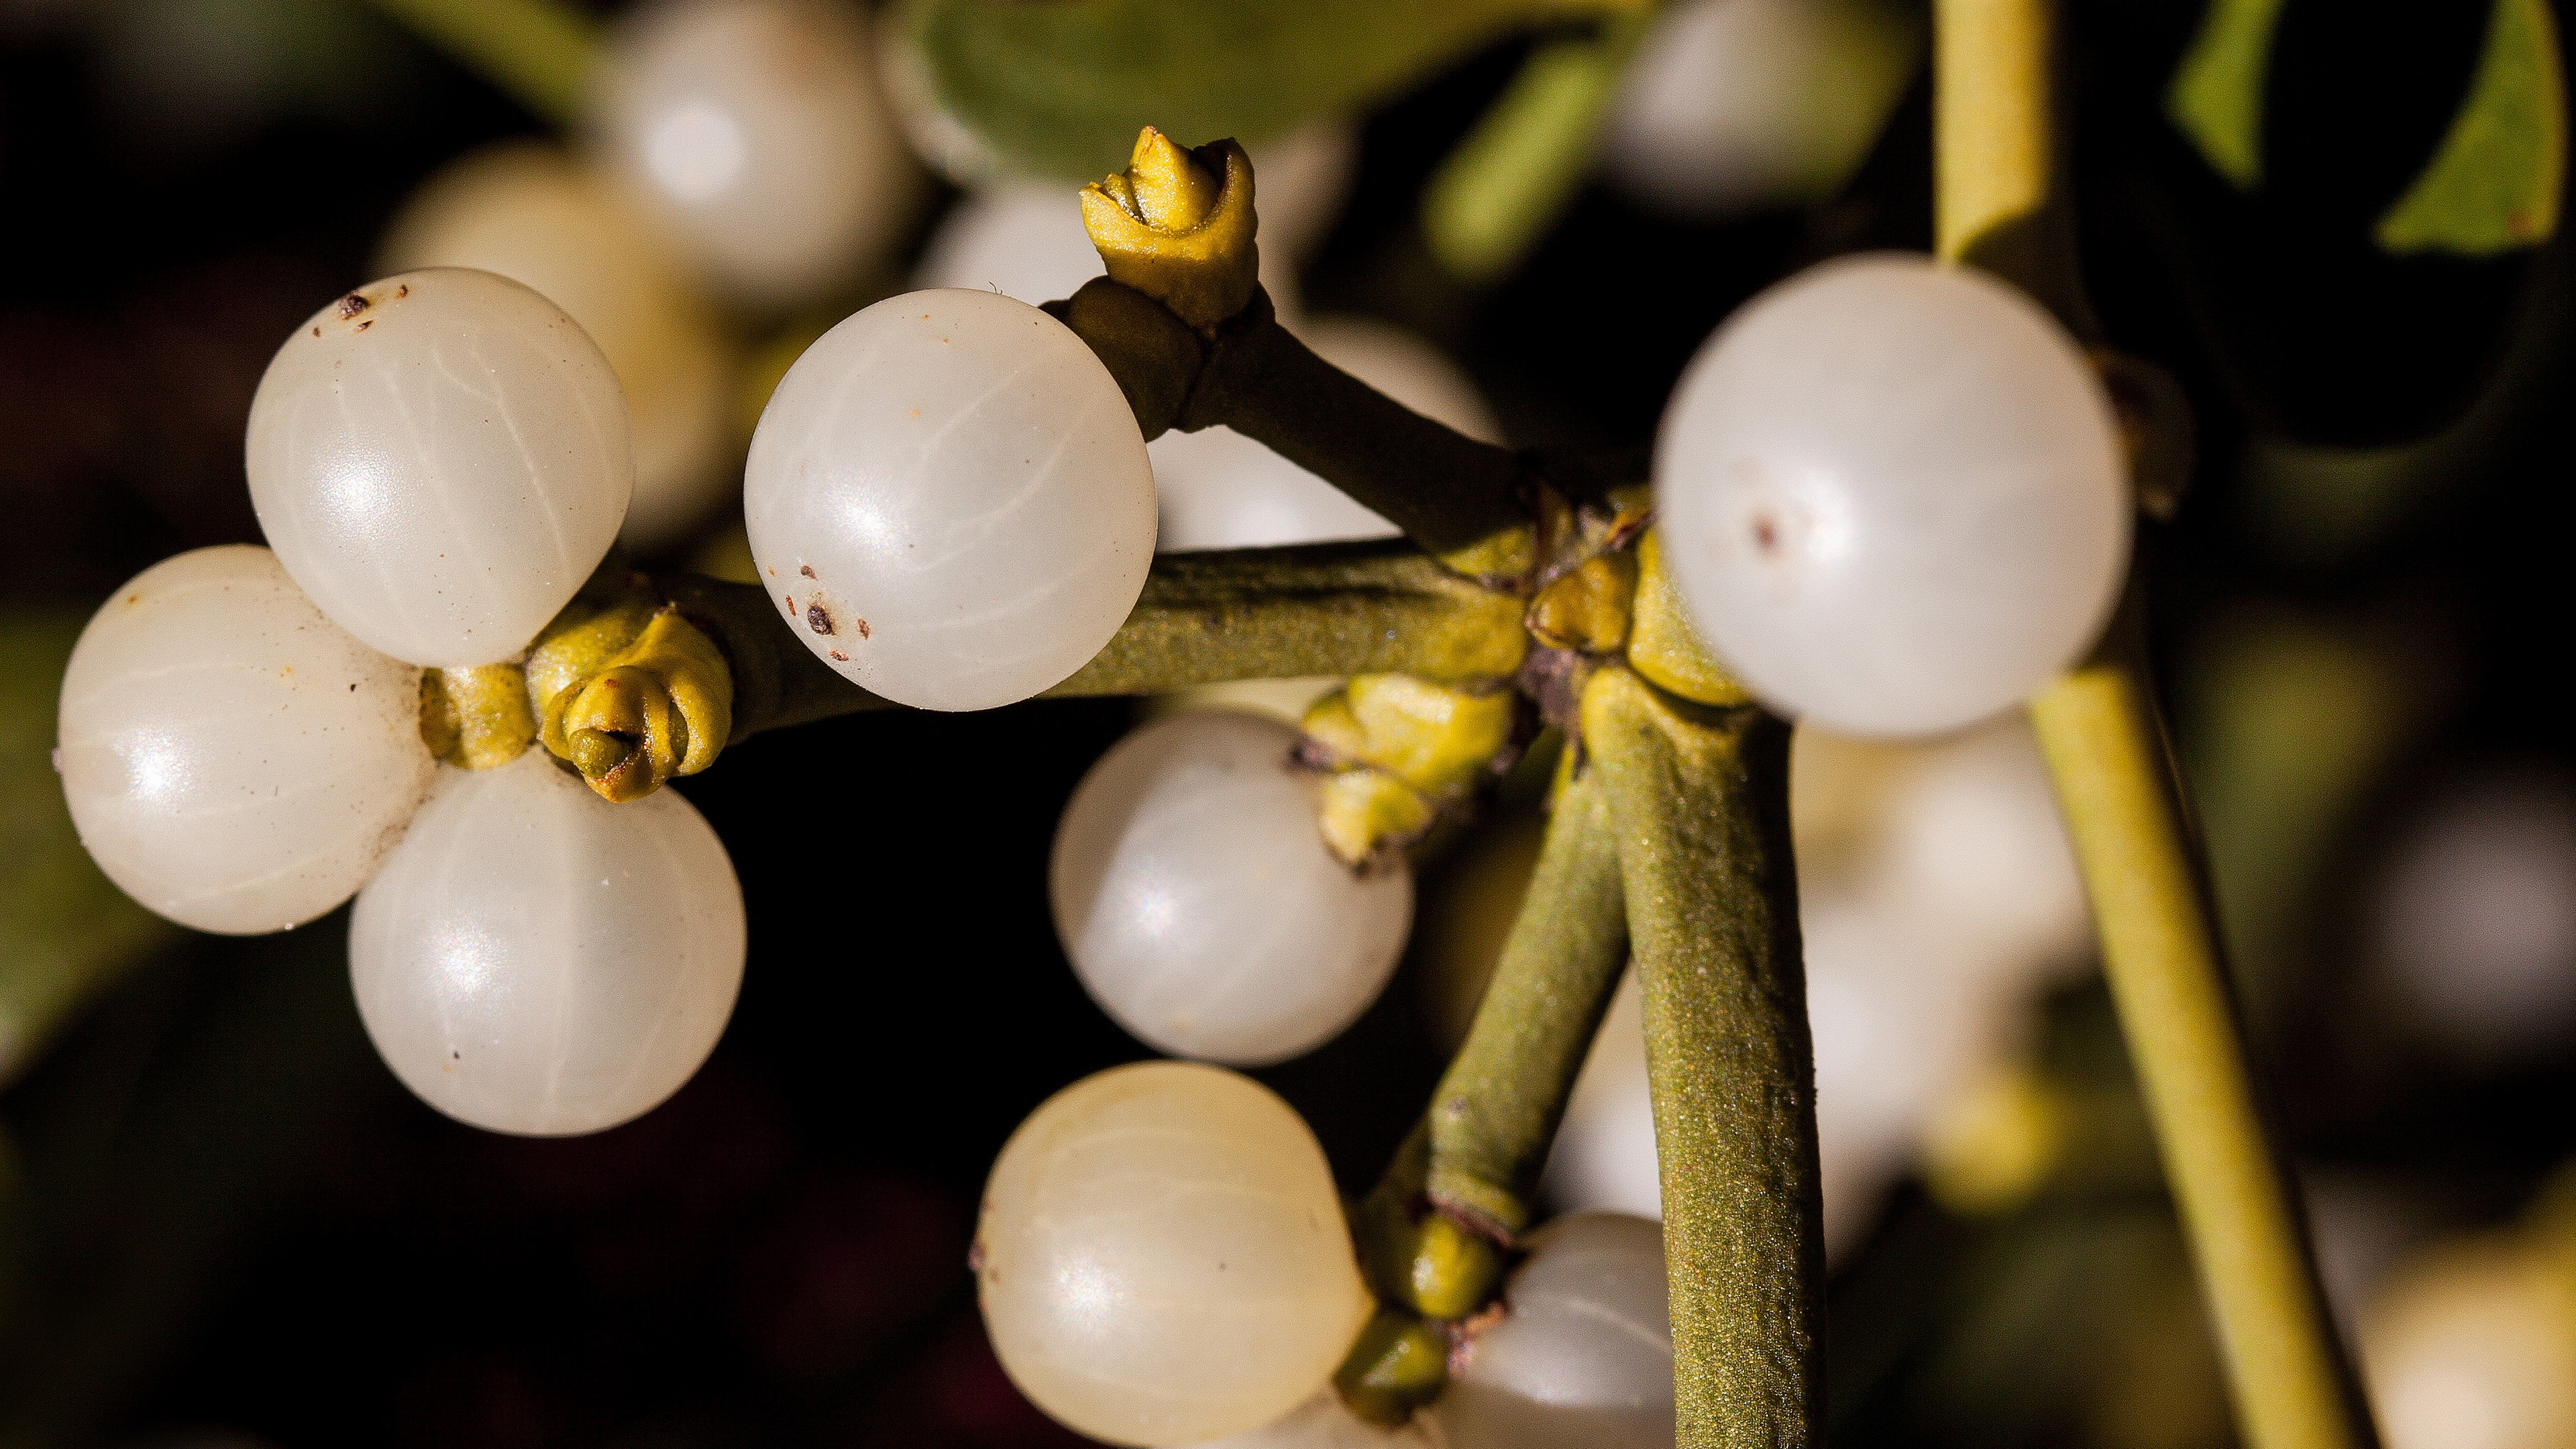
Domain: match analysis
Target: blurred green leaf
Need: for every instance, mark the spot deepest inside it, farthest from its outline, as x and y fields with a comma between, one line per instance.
x=2217, y=92
x=1062, y=88
x=2493, y=186
x=64, y=930
x=1527, y=156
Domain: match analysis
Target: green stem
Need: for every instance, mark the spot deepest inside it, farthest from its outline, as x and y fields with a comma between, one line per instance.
x=1460, y=499
x=1495, y=195
x=2000, y=207
x=1700, y=804
x=1205, y=618
x=540, y=51
x=2106, y=747
x=1498, y=1105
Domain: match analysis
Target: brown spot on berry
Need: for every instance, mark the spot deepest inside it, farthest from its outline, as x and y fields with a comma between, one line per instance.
x=370, y=322
x=353, y=304
x=317, y=331
x=807, y=570
x=818, y=619
x=863, y=628
x=840, y=657
x=1766, y=533
x=403, y=291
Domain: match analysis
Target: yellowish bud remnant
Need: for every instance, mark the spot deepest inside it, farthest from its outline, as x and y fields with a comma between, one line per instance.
x=632, y=695
x=1663, y=647
x=477, y=718
x=1400, y=748
x=1178, y=226
x=1398, y=1364
x=1586, y=608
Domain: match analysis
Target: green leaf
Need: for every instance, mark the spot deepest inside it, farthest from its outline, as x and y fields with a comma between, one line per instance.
x=64, y=930
x=1527, y=156
x=1062, y=87
x=2217, y=93
x=2493, y=186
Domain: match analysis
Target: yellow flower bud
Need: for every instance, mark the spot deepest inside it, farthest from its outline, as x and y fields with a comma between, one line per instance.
x=1178, y=226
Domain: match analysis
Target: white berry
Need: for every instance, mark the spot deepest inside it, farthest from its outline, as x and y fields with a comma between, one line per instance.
x=233, y=759
x=1584, y=1357
x=1893, y=496
x=949, y=501
x=753, y=131
x=1199, y=904
x=440, y=459
x=534, y=959
x=1162, y=1258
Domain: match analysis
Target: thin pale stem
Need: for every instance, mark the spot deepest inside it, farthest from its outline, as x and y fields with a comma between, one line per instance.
x=541, y=52
x=2106, y=749
x=1494, y=197
x=1498, y=1105
x=1700, y=805
x=2001, y=208
x=1205, y=618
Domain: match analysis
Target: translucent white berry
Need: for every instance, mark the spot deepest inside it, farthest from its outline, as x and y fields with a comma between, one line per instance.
x=1323, y=1422
x=529, y=212
x=1199, y=905
x=2473, y=923
x=534, y=959
x=1738, y=104
x=754, y=132
x=1220, y=489
x=1893, y=496
x=1162, y=1258
x=1584, y=1358
x=440, y=459
x=949, y=500
x=233, y=759
x=2469, y=1348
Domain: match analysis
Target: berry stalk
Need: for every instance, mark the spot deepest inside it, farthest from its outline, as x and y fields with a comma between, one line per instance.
x=1498, y=1105
x=1700, y=808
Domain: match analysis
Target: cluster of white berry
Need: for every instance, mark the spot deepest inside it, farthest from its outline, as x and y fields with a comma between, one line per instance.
x=1893, y=498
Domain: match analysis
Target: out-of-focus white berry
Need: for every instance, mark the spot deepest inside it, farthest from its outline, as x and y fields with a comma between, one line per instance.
x=1893, y=496
x=1604, y=1159
x=2475, y=919
x=754, y=133
x=1584, y=1358
x=529, y=212
x=1162, y=1258
x=1220, y=489
x=1976, y=855
x=233, y=759
x=1734, y=105
x=440, y=459
x=1323, y=1422
x=2471, y=1350
x=949, y=500
x=534, y=959
x=1199, y=905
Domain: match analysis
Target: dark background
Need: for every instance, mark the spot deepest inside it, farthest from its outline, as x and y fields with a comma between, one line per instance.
x=218, y=1212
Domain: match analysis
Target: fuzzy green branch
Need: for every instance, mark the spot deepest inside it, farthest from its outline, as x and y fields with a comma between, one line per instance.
x=1205, y=618
x=1700, y=806
x=1498, y=1105
x=1462, y=500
